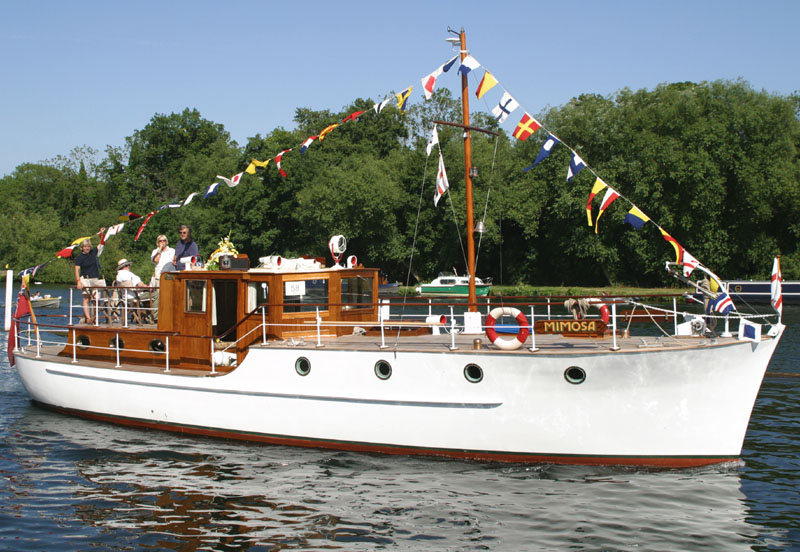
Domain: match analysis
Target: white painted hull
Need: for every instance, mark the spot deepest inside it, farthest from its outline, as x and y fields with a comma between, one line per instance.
x=665, y=407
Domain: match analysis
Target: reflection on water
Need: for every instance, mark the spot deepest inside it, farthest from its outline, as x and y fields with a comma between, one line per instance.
x=141, y=489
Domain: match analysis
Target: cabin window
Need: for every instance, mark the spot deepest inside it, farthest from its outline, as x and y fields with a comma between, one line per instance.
x=257, y=294
x=305, y=295
x=196, y=296
x=447, y=281
x=356, y=292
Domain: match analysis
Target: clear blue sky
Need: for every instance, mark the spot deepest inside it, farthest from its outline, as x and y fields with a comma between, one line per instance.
x=88, y=72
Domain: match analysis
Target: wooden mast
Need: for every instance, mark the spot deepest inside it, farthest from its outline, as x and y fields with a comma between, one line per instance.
x=473, y=302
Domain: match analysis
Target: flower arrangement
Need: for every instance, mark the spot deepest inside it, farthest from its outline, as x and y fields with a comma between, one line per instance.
x=226, y=247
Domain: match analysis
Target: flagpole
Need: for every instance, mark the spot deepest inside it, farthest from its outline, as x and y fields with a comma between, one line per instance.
x=473, y=302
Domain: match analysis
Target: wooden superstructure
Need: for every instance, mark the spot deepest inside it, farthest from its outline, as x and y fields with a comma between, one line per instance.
x=227, y=310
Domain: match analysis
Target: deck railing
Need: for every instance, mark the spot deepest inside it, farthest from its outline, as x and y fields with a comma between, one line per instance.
x=452, y=318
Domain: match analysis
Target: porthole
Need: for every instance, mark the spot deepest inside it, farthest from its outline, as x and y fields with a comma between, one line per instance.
x=157, y=346
x=575, y=375
x=82, y=341
x=302, y=366
x=116, y=341
x=473, y=373
x=383, y=370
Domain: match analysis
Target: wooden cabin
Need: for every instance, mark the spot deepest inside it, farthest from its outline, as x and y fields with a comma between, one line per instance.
x=198, y=309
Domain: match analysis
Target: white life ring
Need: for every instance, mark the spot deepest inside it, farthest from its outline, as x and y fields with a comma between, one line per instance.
x=508, y=344
x=605, y=315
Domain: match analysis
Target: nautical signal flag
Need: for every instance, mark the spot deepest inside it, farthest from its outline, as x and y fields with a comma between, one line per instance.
x=402, y=98
x=722, y=304
x=599, y=185
x=487, y=83
x=232, y=182
x=526, y=126
x=442, y=185
x=776, y=291
x=547, y=147
x=255, y=164
x=66, y=253
x=678, y=247
x=125, y=217
x=636, y=218
x=576, y=165
x=378, y=107
x=307, y=143
x=433, y=141
x=749, y=331
x=689, y=263
x=211, y=190
x=326, y=130
x=429, y=82
x=278, y=161
x=505, y=107
x=353, y=116
x=468, y=64
x=610, y=197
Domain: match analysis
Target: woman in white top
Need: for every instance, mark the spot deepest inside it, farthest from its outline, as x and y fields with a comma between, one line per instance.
x=162, y=256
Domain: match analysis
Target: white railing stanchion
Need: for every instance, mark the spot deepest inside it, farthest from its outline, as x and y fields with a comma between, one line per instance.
x=534, y=348
x=116, y=347
x=727, y=332
x=96, y=306
x=319, y=328
x=213, y=365
x=453, y=329
x=125, y=308
x=38, y=343
x=263, y=326
x=548, y=308
x=614, y=346
x=70, y=316
x=430, y=307
x=381, y=320
x=74, y=347
x=166, y=351
x=675, y=314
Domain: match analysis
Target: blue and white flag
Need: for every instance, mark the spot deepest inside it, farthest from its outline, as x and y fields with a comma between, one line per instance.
x=722, y=304
x=446, y=67
x=505, y=107
x=468, y=64
x=212, y=190
x=547, y=147
x=748, y=331
x=576, y=165
x=189, y=199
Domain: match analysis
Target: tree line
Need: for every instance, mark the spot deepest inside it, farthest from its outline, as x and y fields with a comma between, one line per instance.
x=715, y=164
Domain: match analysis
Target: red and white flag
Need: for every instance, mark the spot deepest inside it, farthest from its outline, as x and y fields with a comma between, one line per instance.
x=232, y=181
x=441, y=182
x=776, y=288
x=689, y=263
x=278, y=159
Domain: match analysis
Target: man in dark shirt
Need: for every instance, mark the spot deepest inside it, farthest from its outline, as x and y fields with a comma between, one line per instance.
x=186, y=247
x=87, y=271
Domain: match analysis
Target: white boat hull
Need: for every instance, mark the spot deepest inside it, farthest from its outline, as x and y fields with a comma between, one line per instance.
x=661, y=407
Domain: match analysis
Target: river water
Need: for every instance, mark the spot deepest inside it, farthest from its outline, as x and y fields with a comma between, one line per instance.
x=71, y=484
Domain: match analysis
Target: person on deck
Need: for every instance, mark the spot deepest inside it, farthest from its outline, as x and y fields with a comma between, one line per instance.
x=162, y=256
x=87, y=272
x=186, y=248
x=124, y=274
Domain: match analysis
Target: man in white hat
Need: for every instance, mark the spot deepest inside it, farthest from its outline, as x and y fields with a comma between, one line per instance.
x=124, y=274
x=126, y=278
